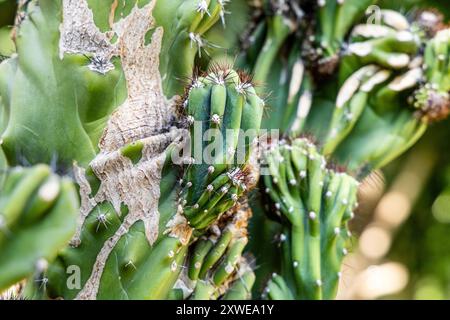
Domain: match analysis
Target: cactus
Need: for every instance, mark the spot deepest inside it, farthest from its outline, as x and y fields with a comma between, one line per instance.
x=166, y=157
x=72, y=91
x=233, y=110
x=38, y=210
x=275, y=25
x=216, y=267
x=371, y=103
x=108, y=224
x=353, y=88
x=432, y=99
x=120, y=242
x=187, y=37
x=335, y=19
x=314, y=205
x=377, y=66
x=93, y=74
x=382, y=114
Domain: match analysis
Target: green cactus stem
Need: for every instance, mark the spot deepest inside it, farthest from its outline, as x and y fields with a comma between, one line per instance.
x=216, y=268
x=38, y=211
x=314, y=205
x=186, y=39
x=335, y=19
x=381, y=67
x=65, y=94
x=223, y=104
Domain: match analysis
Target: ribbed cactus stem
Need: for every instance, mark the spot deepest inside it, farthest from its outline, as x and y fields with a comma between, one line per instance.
x=224, y=103
x=216, y=266
x=315, y=212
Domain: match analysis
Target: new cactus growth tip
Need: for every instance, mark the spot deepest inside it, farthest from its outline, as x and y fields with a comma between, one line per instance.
x=126, y=172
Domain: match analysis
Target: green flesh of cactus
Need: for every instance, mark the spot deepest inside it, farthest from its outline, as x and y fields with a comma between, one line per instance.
x=38, y=211
x=360, y=114
x=126, y=274
x=57, y=90
x=130, y=269
x=314, y=204
x=335, y=20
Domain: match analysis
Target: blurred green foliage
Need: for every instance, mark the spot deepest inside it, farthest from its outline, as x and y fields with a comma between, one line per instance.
x=422, y=243
x=407, y=5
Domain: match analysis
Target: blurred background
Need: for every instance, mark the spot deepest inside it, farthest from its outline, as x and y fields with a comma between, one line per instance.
x=403, y=224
